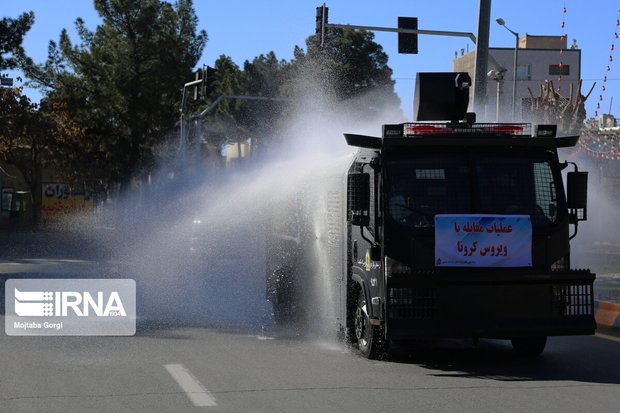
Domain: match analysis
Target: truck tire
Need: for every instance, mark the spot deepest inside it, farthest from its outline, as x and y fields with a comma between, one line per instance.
x=529, y=346
x=370, y=340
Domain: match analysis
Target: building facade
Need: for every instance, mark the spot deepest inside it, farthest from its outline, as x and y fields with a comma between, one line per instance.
x=539, y=59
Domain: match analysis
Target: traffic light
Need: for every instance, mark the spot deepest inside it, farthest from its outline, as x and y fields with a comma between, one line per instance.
x=321, y=22
x=208, y=80
x=408, y=42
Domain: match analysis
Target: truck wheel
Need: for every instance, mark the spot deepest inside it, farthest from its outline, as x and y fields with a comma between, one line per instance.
x=529, y=346
x=370, y=341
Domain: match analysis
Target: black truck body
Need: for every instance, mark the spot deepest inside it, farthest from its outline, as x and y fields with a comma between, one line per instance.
x=455, y=229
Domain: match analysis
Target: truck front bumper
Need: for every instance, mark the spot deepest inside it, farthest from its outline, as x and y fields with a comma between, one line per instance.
x=499, y=306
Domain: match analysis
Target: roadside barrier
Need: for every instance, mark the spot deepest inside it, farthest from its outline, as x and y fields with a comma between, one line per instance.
x=607, y=314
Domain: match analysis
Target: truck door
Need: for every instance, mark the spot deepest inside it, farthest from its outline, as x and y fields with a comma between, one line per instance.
x=365, y=248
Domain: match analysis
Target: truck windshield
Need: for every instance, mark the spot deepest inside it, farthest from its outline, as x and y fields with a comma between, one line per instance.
x=422, y=186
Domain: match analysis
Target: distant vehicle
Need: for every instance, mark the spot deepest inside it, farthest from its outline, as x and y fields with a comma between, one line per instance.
x=444, y=228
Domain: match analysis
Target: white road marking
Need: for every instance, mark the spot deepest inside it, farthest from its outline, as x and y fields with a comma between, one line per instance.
x=196, y=392
x=261, y=337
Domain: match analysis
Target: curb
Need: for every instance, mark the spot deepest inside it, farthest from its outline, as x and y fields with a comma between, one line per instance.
x=607, y=314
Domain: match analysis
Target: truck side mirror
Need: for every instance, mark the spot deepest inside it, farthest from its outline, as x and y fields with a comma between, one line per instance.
x=577, y=196
x=358, y=196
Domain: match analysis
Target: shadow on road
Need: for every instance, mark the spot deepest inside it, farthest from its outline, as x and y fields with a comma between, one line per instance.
x=583, y=359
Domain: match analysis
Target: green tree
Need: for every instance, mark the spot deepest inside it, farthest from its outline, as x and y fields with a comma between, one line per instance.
x=237, y=119
x=350, y=66
x=264, y=76
x=222, y=122
x=121, y=81
x=33, y=137
x=12, y=32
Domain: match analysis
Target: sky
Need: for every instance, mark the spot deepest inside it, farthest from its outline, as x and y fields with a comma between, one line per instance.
x=246, y=29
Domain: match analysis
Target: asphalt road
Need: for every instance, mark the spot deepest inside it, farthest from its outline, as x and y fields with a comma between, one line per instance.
x=197, y=368
x=222, y=352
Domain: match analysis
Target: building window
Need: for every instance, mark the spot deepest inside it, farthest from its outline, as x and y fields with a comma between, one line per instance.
x=559, y=70
x=524, y=72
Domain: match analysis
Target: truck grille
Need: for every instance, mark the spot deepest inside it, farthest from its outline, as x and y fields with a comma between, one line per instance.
x=405, y=303
x=576, y=299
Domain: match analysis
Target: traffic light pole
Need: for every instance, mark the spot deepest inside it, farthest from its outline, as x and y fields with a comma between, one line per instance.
x=184, y=109
x=203, y=78
x=480, y=69
x=405, y=31
x=217, y=101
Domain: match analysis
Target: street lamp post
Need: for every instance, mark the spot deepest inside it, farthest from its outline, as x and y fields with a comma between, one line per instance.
x=498, y=76
x=501, y=22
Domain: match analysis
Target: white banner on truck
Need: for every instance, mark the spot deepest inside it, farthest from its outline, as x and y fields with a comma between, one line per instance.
x=480, y=240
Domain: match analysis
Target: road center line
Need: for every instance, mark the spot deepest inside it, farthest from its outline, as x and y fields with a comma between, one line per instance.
x=196, y=392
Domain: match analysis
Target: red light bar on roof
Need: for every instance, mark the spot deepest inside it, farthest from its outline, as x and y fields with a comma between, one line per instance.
x=425, y=129
x=415, y=129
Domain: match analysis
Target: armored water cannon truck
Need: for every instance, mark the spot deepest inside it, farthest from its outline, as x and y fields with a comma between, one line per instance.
x=457, y=229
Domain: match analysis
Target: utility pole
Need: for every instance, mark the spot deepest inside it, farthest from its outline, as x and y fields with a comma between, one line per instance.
x=322, y=13
x=482, y=57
